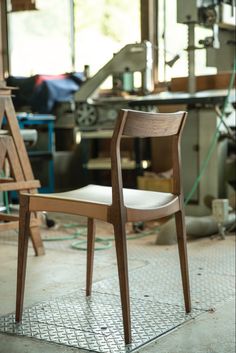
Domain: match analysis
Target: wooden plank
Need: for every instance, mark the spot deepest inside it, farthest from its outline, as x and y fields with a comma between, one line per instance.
x=2, y=154
x=11, y=155
x=36, y=240
x=8, y=217
x=2, y=108
x=17, y=138
x=6, y=179
x=9, y=225
x=4, y=89
x=20, y=185
x=205, y=82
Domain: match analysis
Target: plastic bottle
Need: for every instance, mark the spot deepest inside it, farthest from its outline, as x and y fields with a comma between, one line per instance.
x=128, y=80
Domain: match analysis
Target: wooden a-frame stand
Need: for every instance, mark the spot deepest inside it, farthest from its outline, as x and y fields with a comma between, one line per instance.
x=13, y=152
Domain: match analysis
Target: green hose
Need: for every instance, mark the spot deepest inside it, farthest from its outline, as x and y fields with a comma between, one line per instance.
x=104, y=243
x=101, y=242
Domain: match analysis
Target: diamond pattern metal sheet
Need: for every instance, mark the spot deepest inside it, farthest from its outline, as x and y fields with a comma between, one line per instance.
x=217, y=256
x=162, y=283
x=95, y=324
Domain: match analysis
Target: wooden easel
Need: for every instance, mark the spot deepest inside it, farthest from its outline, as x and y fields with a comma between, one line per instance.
x=13, y=152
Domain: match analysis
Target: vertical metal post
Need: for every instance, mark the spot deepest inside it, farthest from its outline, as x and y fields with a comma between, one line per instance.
x=72, y=33
x=191, y=58
x=148, y=13
x=164, y=39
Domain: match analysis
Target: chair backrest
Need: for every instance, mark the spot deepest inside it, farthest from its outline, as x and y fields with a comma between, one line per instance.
x=145, y=124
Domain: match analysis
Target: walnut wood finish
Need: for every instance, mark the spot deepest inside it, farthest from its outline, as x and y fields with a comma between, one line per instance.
x=13, y=152
x=24, y=224
x=90, y=255
x=117, y=205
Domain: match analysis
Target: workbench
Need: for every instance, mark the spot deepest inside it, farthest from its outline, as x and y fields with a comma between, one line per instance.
x=201, y=98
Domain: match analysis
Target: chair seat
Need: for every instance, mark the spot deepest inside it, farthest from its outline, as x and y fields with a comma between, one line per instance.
x=139, y=200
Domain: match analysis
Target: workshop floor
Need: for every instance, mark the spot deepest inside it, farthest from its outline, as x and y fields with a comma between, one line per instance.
x=61, y=272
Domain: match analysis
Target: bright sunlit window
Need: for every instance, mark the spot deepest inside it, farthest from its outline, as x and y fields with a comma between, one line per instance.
x=103, y=27
x=40, y=41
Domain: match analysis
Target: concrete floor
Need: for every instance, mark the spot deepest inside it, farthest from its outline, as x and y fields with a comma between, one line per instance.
x=62, y=271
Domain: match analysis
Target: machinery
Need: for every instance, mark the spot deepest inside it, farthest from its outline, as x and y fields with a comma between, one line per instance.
x=203, y=118
x=92, y=110
x=220, y=17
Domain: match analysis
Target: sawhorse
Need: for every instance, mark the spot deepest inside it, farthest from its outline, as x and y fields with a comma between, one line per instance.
x=13, y=152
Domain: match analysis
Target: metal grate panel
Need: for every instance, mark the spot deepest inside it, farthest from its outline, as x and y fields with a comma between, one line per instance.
x=162, y=283
x=95, y=324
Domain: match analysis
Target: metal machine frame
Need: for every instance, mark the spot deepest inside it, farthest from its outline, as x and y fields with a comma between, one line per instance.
x=90, y=110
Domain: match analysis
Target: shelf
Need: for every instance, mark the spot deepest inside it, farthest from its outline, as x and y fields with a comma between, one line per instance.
x=105, y=164
x=40, y=154
x=97, y=134
x=95, y=156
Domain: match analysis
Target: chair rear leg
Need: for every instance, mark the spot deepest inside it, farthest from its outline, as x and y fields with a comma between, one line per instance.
x=90, y=255
x=24, y=223
x=182, y=245
x=122, y=262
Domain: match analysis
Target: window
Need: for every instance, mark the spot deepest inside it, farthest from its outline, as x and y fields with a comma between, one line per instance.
x=40, y=41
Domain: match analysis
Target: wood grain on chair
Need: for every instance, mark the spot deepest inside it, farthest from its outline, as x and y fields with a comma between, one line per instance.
x=117, y=205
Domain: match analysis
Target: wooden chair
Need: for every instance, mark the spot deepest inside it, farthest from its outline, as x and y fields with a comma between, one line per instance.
x=117, y=206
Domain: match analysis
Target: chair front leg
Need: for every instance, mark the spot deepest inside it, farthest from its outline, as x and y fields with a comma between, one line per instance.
x=90, y=255
x=24, y=230
x=122, y=262
x=35, y=235
x=182, y=246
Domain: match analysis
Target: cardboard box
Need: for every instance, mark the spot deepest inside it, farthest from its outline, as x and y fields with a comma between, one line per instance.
x=155, y=184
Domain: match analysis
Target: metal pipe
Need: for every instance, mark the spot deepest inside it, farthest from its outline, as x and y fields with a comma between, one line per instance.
x=191, y=58
x=164, y=38
x=72, y=33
